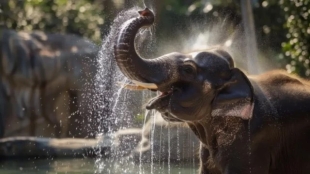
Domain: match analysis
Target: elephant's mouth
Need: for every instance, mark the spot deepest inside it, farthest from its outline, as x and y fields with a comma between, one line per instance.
x=161, y=101
x=162, y=104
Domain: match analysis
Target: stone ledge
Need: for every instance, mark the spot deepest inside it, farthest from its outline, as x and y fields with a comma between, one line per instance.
x=34, y=147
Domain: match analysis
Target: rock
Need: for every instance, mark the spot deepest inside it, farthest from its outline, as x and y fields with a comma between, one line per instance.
x=33, y=147
x=38, y=71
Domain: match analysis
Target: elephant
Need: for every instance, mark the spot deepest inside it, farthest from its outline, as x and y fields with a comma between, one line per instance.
x=36, y=67
x=255, y=124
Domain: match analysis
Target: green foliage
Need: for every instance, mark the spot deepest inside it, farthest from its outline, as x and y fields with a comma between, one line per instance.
x=182, y=16
x=269, y=20
x=82, y=17
x=297, y=47
x=90, y=17
x=270, y=31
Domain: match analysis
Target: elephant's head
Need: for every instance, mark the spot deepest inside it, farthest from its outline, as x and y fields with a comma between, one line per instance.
x=193, y=86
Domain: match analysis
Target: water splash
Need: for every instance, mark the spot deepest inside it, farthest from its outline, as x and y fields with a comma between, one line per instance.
x=152, y=141
x=141, y=145
x=162, y=147
x=222, y=33
x=194, y=155
x=169, y=149
x=111, y=102
x=178, y=149
x=249, y=145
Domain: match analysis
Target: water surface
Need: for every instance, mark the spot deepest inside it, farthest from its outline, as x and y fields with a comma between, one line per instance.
x=85, y=166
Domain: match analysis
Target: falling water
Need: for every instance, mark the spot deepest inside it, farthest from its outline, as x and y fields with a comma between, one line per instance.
x=194, y=156
x=141, y=145
x=249, y=145
x=162, y=147
x=169, y=149
x=152, y=142
x=110, y=100
x=178, y=149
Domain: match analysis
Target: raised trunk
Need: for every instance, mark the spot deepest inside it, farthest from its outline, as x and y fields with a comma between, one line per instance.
x=128, y=60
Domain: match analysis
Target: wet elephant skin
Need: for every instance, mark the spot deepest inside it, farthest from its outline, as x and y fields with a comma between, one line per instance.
x=246, y=124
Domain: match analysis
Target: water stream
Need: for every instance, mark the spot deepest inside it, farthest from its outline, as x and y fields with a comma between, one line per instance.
x=152, y=142
x=141, y=146
x=169, y=149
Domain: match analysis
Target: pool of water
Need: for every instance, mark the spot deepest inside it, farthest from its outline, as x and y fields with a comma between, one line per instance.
x=89, y=166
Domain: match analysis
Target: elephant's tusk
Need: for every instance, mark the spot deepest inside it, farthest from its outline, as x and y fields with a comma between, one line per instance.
x=131, y=86
x=145, y=85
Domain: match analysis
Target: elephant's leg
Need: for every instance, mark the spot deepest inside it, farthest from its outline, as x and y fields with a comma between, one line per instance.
x=206, y=164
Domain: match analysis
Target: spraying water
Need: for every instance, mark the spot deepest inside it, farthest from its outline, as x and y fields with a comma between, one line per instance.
x=110, y=100
x=169, y=149
x=152, y=144
x=141, y=145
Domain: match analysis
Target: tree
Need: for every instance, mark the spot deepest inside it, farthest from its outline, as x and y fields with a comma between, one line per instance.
x=82, y=17
x=297, y=47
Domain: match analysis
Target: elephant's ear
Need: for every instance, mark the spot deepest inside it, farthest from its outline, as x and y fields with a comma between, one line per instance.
x=236, y=98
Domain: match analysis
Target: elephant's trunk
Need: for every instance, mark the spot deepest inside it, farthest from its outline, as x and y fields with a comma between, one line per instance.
x=128, y=60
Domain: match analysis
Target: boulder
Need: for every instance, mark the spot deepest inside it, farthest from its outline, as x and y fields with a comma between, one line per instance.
x=38, y=148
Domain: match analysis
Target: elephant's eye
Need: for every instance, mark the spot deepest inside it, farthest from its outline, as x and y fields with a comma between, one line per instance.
x=188, y=69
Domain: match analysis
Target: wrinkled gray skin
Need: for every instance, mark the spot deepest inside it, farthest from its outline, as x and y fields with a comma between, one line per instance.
x=255, y=125
x=36, y=67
